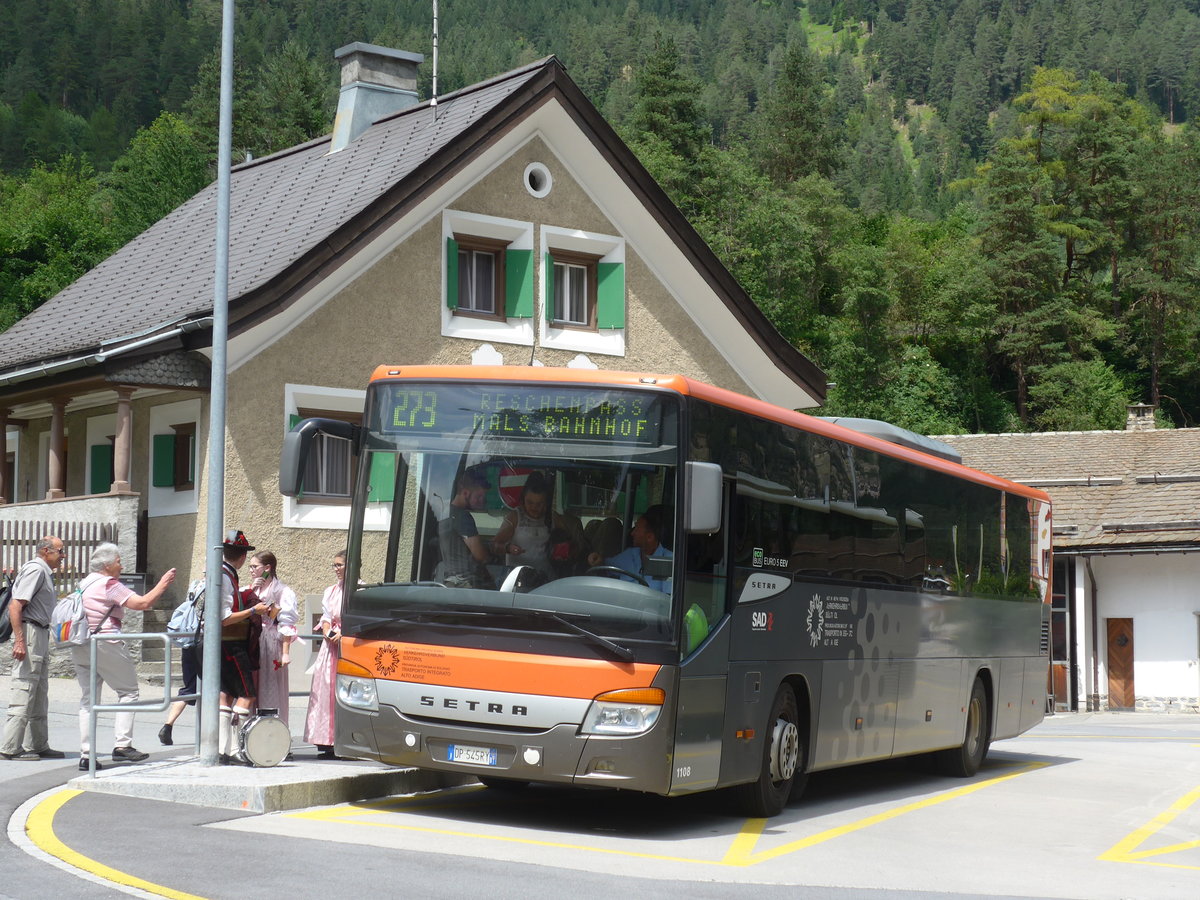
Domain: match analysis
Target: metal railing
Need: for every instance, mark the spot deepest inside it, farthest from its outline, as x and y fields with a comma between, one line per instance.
x=94, y=687
x=149, y=705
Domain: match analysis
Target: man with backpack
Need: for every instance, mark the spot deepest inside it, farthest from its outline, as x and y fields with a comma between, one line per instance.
x=25, y=731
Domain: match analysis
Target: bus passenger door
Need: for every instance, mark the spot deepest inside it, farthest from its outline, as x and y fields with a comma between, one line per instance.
x=700, y=716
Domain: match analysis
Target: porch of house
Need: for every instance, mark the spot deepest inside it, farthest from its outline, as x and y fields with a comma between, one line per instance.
x=82, y=523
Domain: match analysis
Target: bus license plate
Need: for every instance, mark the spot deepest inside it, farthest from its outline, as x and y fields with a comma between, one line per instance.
x=480, y=756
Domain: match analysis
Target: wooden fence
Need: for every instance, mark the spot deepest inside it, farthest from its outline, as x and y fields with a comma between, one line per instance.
x=18, y=544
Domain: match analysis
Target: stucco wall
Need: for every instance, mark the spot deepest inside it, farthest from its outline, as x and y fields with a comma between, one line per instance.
x=391, y=313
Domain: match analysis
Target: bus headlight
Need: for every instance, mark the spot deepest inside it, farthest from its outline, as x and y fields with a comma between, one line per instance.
x=625, y=712
x=357, y=693
x=356, y=687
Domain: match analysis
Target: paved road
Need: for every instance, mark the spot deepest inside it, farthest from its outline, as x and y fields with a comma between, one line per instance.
x=1085, y=806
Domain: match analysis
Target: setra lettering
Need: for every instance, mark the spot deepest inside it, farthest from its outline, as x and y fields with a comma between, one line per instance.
x=490, y=707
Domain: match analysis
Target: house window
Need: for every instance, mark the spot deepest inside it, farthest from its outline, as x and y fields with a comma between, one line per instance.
x=185, y=456
x=574, y=281
x=174, y=458
x=100, y=474
x=584, y=291
x=329, y=473
x=481, y=276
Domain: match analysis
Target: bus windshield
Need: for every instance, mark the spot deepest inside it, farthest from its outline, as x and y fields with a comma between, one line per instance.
x=493, y=513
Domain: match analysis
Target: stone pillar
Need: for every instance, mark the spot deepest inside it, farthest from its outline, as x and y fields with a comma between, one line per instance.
x=5, y=488
x=123, y=443
x=56, y=470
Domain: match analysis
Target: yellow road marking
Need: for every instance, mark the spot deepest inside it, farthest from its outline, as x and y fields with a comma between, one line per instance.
x=1126, y=849
x=741, y=852
x=1102, y=737
x=40, y=828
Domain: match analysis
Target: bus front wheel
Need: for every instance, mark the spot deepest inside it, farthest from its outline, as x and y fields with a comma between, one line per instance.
x=964, y=761
x=782, y=760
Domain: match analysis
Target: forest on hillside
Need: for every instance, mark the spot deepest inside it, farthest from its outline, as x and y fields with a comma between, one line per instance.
x=975, y=215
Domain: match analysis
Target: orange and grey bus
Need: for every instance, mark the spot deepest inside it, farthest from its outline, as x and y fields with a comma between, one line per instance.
x=816, y=596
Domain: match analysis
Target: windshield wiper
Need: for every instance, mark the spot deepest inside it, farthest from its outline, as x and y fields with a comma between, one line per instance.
x=616, y=649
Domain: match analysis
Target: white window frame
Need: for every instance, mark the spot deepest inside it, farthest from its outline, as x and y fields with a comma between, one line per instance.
x=519, y=236
x=609, y=249
x=296, y=513
x=170, y=501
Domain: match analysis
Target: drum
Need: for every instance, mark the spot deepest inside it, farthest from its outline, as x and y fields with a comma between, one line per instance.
x=265, y=739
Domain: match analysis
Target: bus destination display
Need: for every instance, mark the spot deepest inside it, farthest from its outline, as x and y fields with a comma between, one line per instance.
x=595, y=416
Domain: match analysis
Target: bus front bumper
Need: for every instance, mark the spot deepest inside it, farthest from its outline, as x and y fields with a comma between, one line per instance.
x=557, y=755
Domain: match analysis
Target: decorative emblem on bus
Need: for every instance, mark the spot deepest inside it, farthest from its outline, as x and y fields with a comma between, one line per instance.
x=815, y=620
x=387, y=660
x=758, y=557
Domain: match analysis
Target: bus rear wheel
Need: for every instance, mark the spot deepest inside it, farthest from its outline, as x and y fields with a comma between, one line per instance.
x=783, y=759
x=964, y=761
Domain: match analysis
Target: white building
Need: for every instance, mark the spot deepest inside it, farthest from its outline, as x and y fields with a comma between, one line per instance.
x=1126, y=621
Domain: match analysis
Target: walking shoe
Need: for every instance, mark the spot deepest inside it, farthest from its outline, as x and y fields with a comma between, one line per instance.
x=49, y=753
x=83, y=764
x=129, y=754
x=164, y=736
x=24, y=754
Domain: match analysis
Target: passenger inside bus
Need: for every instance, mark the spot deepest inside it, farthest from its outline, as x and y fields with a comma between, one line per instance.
x=532, y=534
x=464, y=554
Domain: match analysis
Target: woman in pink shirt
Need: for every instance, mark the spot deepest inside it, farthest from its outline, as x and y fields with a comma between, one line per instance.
x=105, y=600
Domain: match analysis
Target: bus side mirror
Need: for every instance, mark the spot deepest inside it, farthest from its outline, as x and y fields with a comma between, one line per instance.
x=702, y=514
x=293, y=458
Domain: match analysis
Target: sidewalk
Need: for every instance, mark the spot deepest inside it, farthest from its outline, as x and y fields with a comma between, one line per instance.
x=175, y=773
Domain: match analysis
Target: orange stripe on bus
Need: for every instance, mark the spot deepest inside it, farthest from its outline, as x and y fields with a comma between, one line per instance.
x=494, y=670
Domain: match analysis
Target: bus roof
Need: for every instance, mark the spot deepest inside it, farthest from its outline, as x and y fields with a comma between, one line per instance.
x=682, y=384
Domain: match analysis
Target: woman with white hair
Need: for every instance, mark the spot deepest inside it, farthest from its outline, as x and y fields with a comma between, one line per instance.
x=105, y=600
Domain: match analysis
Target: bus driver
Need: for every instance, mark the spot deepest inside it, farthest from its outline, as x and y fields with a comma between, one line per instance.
x=646, y=534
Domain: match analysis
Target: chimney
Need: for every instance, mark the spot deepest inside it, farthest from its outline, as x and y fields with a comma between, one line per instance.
x=376, y=82
x=1140, y=417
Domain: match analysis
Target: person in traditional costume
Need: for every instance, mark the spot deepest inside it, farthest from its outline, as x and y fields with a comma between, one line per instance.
x=318, y=724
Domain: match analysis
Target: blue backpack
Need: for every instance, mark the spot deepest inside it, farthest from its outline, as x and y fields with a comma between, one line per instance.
x=188, y=619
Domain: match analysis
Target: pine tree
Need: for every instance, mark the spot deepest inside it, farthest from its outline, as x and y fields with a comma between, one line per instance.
x=794, y=136
x=1020, y=263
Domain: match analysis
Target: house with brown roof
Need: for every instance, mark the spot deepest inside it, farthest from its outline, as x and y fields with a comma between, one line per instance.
x=504, y=223
x=1126, y=618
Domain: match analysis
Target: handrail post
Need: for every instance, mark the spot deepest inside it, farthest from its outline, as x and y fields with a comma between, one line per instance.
x=150, y=706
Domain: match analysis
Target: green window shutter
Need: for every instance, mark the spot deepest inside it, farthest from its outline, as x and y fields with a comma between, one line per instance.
x=102, y=463
x=452, y=273
x=549, y=273
x=610, y=295
x=293, y=419
x=518, y=284
x=163, y=460
x=383, y=478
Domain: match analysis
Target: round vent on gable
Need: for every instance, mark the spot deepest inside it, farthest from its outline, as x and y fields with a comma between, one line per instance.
x=537, y=180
